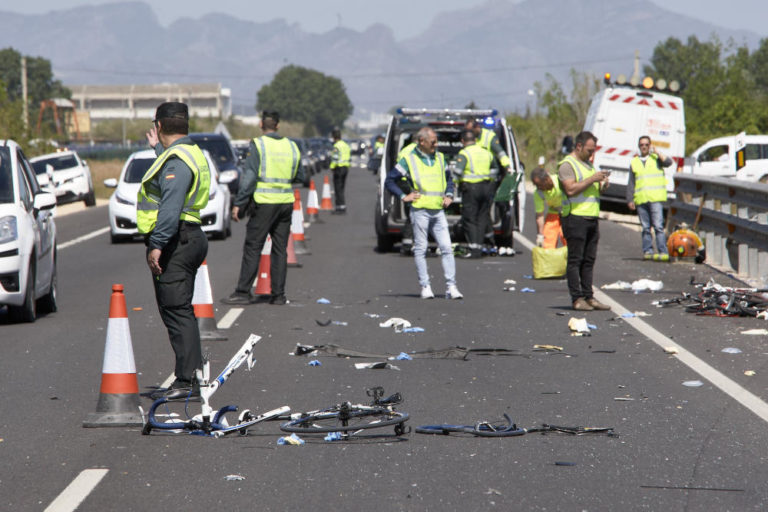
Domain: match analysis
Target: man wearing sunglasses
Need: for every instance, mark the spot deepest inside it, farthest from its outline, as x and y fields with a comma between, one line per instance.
x=647, y=193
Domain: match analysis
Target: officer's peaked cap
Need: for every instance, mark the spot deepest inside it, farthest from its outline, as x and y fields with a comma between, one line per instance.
x=172, y=110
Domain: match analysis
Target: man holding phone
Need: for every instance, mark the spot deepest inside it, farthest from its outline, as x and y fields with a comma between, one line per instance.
x=647, y=193
x=581, y=184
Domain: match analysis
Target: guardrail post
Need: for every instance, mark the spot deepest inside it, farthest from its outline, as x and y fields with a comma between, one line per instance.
x=725, y=257
x=712, y=241
x=762, y=256
x=744, y=267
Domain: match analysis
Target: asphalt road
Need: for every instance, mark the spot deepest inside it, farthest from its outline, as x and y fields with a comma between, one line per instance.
x=677, y=448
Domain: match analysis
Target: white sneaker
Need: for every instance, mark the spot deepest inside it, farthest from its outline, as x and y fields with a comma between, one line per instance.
x=453, y=293
x=426, y=292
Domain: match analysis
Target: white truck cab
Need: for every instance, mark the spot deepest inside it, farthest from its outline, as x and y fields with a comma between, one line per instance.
x=618, y=116
x=718, y=157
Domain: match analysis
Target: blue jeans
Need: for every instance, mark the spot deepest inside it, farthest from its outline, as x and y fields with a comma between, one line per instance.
x=432, y=221
x=652, y=215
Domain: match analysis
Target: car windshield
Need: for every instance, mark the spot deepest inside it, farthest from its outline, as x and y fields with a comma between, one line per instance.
x=6, y=179
x=219, y=150
x=57, y=162
x=137, y=169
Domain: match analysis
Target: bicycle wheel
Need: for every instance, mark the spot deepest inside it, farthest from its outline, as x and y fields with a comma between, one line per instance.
x=345, y=419
x=442, y=429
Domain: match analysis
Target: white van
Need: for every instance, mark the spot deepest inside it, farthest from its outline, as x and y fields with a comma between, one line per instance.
x=618, y=116
x=718, y=158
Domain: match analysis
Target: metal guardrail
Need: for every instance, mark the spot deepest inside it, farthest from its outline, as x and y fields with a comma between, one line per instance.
x=730, y=216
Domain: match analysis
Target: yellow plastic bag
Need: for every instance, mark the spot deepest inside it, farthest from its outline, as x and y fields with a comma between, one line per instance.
x=549, y=262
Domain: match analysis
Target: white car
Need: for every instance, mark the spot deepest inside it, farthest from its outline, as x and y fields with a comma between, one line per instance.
x=215, y=216
x=27, y=238
x=71, y=176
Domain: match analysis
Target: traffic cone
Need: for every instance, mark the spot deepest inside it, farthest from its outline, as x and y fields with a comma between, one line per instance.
x=118, y=404
x=263, y=284
x=325, y=200
x=297, y=226
x=291, y=260
x=312, y=203
x=202, y=302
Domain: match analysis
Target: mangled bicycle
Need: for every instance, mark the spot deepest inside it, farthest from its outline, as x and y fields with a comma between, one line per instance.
x=716, y=300
x=212, y=422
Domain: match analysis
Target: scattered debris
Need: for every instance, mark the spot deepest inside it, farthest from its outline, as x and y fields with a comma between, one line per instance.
x=441, y=353
x=293, y=440
x=378, y=365
x=731, y=350
x=234, y=477
x=628, y=315
x=755, y=332
x=491, y=490
x=640, y=285
x=315, y=362
x=396, y=322
x=509, y=288
x=763, y=315
x=528, y=276
x=624, y=399
x=618, y=285
x=750, y=373
x=323, y=300
x=413, y=329
x=548, y=348
x=564, y=463
x=578, y=327
x=633, y=315
x=528, y=290
x=373, y=315
x=402, y=356
x=323, y=323
x=671, y=350
x=510, y=281
x=339, y=322
x=333, y=436
x=604, y=351
x=693, y=383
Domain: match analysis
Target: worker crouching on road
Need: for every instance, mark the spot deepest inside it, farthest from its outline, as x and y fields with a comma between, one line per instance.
x=547, y=201
x=340, y=160
x=431, y=190
x=271, y=167
x=172, y=193
x=647, y=193
x=581, y=185
x=473, y=171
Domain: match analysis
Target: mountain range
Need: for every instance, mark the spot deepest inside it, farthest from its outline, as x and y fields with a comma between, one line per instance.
x=491, y=54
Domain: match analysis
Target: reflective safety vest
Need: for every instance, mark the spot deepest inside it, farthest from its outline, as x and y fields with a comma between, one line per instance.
x=148, y=200
x=406, y=151
x=428, y=180
x=278, y=163
x=341, y=154
x=650, y=182
x=552, y=199
x=478, y=166
x=486, y=141
x=587, y=203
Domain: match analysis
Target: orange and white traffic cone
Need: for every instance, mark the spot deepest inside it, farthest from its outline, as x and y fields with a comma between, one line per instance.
x=297, y=226
x=118, y=404
x=263, y=284
x=312, y=203
x=325, y=201
x=291, y=259
x=202, y=302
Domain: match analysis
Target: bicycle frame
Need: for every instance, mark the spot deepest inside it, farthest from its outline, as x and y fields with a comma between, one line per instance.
x=212, y=423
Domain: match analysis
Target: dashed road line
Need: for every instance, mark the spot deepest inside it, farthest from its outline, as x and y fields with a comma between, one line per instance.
x=728, y=386
x=75, y=241
x=76, y=492
x=229, y=319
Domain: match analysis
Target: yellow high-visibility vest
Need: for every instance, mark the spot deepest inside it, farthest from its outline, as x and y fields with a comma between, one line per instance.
x=428, y=180
x=587, y=203
x=278, y=163
x=650, y=181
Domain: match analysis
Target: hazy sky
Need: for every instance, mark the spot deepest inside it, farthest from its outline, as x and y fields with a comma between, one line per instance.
x=406, y=17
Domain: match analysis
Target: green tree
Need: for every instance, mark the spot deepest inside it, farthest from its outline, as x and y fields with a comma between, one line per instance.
x=305, y=95
x=40, y=81
x=11, y=123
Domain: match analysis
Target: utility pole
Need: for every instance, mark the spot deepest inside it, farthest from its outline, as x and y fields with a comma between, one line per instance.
x=24, y=95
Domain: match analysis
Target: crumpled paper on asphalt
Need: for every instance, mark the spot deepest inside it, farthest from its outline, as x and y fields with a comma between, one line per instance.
x=578, y=327
x=396, y=322
x=640, y=285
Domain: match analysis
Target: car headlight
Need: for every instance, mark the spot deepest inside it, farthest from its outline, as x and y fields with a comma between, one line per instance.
x=8, y=229
x=124, y=200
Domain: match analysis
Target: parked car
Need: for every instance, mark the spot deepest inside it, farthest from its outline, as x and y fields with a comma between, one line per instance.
x=390, y=213
x=122, y=205
x=308, y=163
x=224, y=155
x=321, y=148
x=27, y=238
x=242, y=148
x=720, y=157
x=71, y=176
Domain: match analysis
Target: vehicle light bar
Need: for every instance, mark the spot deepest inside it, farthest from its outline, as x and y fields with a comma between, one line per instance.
x=462, y=112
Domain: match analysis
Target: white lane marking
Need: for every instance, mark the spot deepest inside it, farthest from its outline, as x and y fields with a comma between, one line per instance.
x=229, y=319
x=717, y=378
x=92, y=234
x=76, y=492
x=167, y=382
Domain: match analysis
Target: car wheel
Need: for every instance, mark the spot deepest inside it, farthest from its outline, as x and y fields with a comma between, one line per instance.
x=48, y=303
x=90, y=198
x=27, y=312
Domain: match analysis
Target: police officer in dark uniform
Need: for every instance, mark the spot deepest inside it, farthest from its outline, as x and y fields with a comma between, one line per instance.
x=271, y=167
x=172, y=193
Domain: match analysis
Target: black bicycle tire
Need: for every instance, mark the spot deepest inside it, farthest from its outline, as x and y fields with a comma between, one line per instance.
x=499, y=433
x=294, y=426
x=442, y=429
